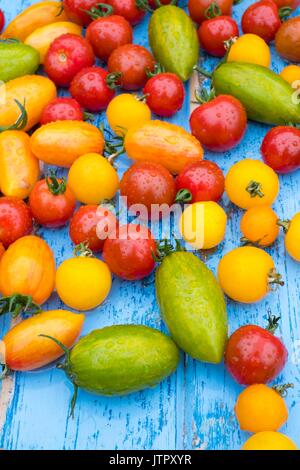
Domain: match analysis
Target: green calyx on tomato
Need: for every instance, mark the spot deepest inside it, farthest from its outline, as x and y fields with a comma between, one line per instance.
x=212, y=11
x=115, y=146
x=254, y=188
x=284, y=13
x=272, y=323
x=17, y=304
x=145, y=6
x=83, y=250
x=164, y=248
x=184, y=195
x=158, y=68
x=55, y=186
x=112, y=80
x=100, y=11
x=20, y=123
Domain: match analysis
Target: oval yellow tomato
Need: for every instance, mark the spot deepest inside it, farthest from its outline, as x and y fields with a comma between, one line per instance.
x=203, y=225
x=28, y=268
x=250, y=48
x=259, y=226
x=260, y=408
x=292, y=237
x=19, y=169
x=291, y=73
x=251, y=183
x=269, y=440
x=83, y=283
x=92, y=179
x=62, y=142
x=33, y=17
x=41, y=38
x=247, y=273
x=125, y=111
x=32, y=91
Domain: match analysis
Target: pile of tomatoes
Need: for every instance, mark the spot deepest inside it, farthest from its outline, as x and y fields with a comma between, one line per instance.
x=254, y=356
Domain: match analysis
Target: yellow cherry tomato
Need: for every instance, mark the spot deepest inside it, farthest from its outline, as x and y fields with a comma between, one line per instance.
x=203, y=225
x=292, y=237
x=247, y=273
x=260, y=408
x=92, y=179
x=41, y=38
x=269, y=440
x=291, y=73
x=250, y=48
x=126, y=111
x=259, y=225
x=251, y=183
x=83, y=283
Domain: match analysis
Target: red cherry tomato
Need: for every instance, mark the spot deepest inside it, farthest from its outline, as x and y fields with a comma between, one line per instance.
x=199, y=8
x=128, y=9
x=89, y=87
x=148, y=183
x=2, y=250
x=281, y=149
x=132, y=62
x=15, y=220
x=254, y=355
x=76, y=10
x=67, y=55
x=130, y=254
x=219, y=124
x=200, y=181
x=262, y=18
x=62, y=109
x=164, y=94
x=213, y=32
x=92, y=224
x=2, y=20
x=51, y=202
x=106, y=34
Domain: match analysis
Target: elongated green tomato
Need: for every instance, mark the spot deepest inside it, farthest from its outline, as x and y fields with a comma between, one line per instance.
x=121, y=359
x=174, y=41
x=17, y=59
x=192, y=305
x=267, y=97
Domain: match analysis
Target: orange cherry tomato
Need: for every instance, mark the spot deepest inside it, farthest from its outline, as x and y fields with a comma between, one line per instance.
x=28, y=268
x=25, y=349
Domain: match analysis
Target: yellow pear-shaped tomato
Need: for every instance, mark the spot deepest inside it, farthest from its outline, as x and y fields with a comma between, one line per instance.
x=260, y=408
x=42, y=38
x=250, y=48
x=247, y=273
x=83, y=283
x=28, y=268
x=25, y=349
x=251, y=183
x=19, y=169
x=34, y=17
x=34, y=92
x=203, y=225
x=292, y=237
x=93, y=179
x=126, y=111
x=269, y=440
x=62, y=142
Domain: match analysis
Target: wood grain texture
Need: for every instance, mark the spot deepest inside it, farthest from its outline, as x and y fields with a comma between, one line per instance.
x=194, y=408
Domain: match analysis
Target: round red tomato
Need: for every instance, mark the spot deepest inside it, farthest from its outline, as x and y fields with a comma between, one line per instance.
x=92, y=225
x=219, y=124
x=76, y=10
x=2, y=20
x=2, y=250
x=67, y=55
x=15, y=220
x=254, y=355
x=89, y=87
x=106, y=34
x=199, y=9
x=164, y=94
x=51, y=202
x=128, y=9
x=213, y=32
x=62, y=109
x=148, y=184
x=200, y=181
x=129, y=255
x=132, y=62
x=262, y=18
x=281, y=149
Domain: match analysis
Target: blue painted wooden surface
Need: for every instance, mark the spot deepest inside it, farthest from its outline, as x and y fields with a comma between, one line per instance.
x=194, y=408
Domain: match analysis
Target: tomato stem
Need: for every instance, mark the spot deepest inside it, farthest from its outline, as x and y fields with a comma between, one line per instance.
x=74, y=400
x=202, y=71
x=5, y=371
x=246, y=242
x=284, y=12
x=275, y=278
x=55, y=186
x=83, y=250
x=285, y=224
x=114, y=147
x=165, y=248
x=144, y=5
x=254, y=188
x=212, y=11
x=112, y=80
x=272, y=323
x=88, y=116
x=183, y=195
x=99, y=11
x=158, y=68
x=205, y=96
x=21, y=122
x=17, y=304
x=283, y=389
